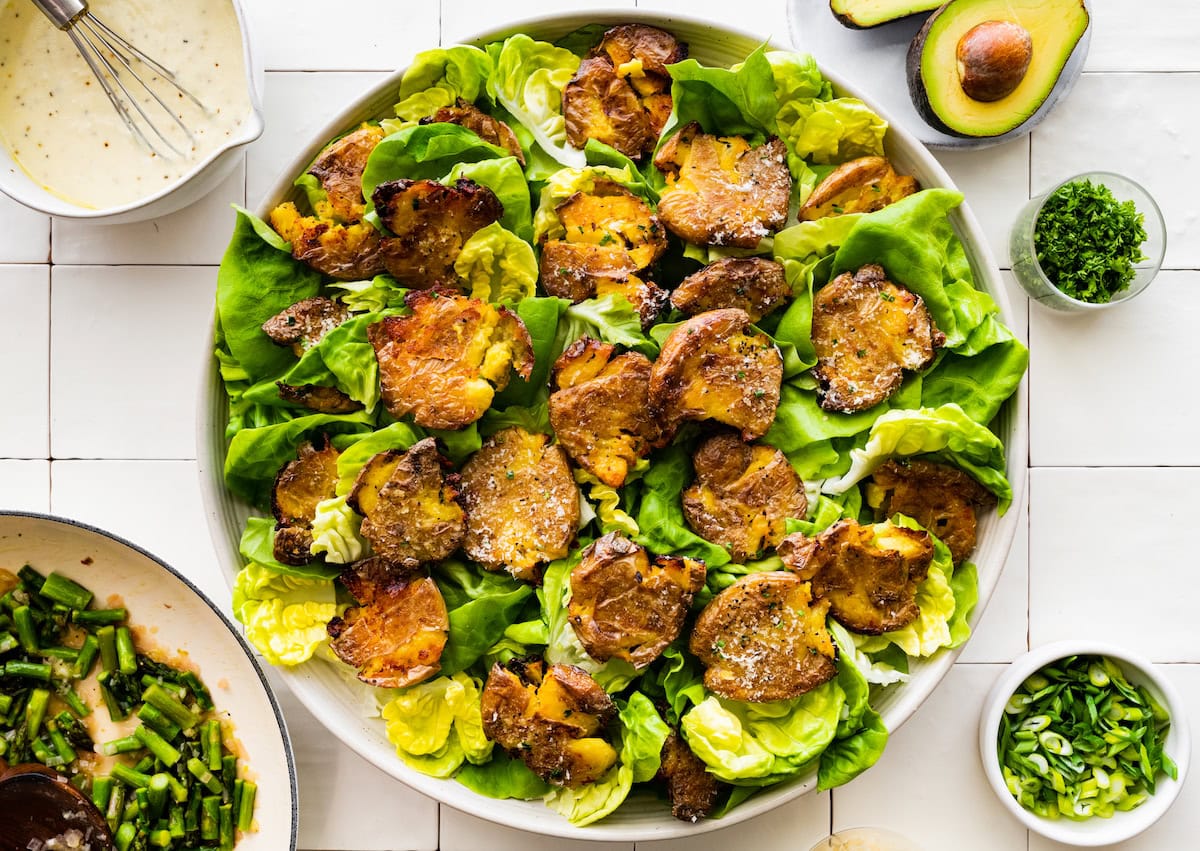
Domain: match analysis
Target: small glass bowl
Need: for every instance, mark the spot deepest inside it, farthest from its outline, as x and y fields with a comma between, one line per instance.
x=1033, y=280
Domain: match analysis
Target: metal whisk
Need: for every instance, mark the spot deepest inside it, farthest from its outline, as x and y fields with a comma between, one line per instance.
x=112, y=59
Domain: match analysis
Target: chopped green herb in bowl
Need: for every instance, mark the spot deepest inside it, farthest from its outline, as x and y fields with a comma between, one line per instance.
x=1093, y=241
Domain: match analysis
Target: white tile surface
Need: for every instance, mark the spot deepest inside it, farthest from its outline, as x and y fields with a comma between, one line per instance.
x=1178, y=828
x=154, y=504
x=793, y=827
x=1109, y=558
x=462, y=832
x=25, y=235
x=25, y=353
x=928, y=785
x=345, y=801
x=995, y=183
x=190, y=236
x=462, y=19
x=351, y=36
x=1079, y=362
x=127, y=347
x=1155, y=145
x=1002, y=634
x=1153, y=35
x=25, y=485
x=296, y=105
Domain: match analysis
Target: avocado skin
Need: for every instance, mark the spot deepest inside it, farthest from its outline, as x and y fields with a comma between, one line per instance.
x=920, y=95
x=916, y=86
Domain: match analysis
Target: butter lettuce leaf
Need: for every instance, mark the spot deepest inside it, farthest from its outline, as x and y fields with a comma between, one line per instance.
x=527, y=80
x=497, y=265
x=506, y=179
x=438, y=77
x=285, y=615
x=436, y=725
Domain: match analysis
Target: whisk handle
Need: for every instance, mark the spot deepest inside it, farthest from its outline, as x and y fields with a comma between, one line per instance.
x=62, y=13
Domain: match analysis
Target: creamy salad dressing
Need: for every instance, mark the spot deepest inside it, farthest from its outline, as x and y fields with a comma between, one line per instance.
x=59, y=126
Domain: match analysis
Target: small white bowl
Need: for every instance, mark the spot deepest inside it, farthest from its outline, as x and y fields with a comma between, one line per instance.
x=1092, y=832
x=189, y=188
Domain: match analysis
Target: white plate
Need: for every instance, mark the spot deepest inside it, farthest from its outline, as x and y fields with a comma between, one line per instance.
x=873, y=61
x=325, y=691
x=181, y=621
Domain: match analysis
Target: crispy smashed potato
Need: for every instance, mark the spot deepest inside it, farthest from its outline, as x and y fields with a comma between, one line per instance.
x=431, y=223
x=410, y=505
x=339, y=169
x=763, y=638
x=299, y=486
x=491, y=130
x=521, y=501
x=551, y=718
x=742, y=495
x=350, y=252
x=625, y=606
x=941, y=498
x=444, y=362
x=611, y=215
x=863, y=185
x=302, y=325
x=646, y=297
x=621, y=94
x=722, y=191
x=599, y=409
x=867, y=574
x=714, y=366
x=396, y=633
x=693, y=792
x=752, y=284
x=323, y=400
x=866, y=331
x=575, y=270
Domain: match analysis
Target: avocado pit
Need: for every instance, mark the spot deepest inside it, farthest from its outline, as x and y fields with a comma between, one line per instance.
x=992, y=59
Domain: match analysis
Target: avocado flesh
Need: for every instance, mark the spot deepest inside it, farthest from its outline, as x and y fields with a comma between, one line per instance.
x=1055, y=27
x=863, y=14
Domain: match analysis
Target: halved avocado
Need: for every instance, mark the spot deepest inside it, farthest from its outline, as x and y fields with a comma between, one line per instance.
x=937, y=70
x=864, y=14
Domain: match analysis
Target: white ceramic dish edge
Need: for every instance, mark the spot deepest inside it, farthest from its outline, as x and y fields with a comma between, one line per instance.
x=1094, y=832
x=318, y=686
x=191, y=187
x=50, y=542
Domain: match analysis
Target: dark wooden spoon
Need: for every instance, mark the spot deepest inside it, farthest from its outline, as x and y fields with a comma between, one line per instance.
x=37, y=803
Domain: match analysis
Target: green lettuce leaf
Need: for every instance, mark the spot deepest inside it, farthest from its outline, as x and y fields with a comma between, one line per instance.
x=438, y=77
x=659, y=516
x=737, y=101
x=257, y=279
x=759, y=743
x=505, y=178
x=336, y=532
x=540, y=316
x=285, y=615
x=481, y=606
x=610, y=318
x=436, y=725
x=528, y=80
x=425, y=152
x=497, y=265
x=831, y=131
x=502, y=777
x=258, y=545
x=380, y=293
x=847, y=758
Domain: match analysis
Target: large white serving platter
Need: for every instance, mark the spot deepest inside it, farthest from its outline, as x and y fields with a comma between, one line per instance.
x=337, y=704
x=181, y=622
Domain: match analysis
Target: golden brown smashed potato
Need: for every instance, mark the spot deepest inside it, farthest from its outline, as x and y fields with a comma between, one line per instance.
x=522, y=503
x=742, y=495
x=410, y=505
x=866, y=331
x=574, y=270
x=339, y=169
x=763, y=638
x=716, y=367
x=722, y=191
x=863, y=185
x=323, y=400
x=611, y=215
x=396, y=633
x=491, y=130
x=752, y=284
x=621, y=93
x=431, y=222
x=299, y=486
x=693, y=792
x=348, y=252
x=867, y=574
x=303, y=324
x=625, y=606
x=444, y=362
x=551, y=718
x=941, y=498
x=599, y=409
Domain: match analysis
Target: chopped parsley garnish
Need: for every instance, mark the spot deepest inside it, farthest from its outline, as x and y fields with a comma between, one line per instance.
x=1087, y=241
